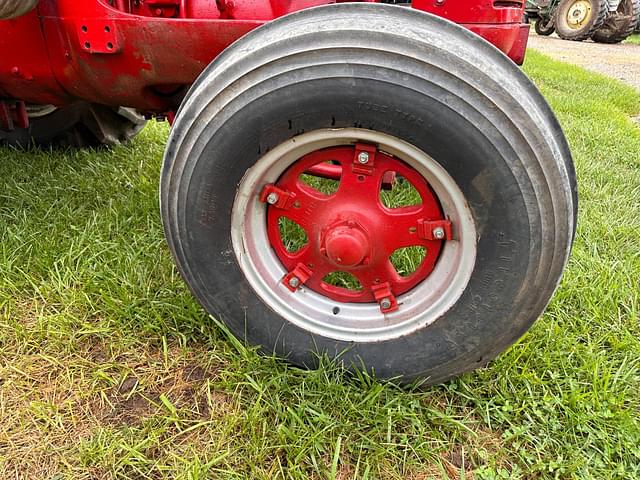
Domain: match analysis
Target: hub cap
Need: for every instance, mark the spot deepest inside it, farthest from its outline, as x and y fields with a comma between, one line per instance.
x=578, y=14
x=346, y=245
x=349, y=229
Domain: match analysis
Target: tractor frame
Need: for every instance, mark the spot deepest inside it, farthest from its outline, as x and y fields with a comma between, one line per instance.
x=145, y=55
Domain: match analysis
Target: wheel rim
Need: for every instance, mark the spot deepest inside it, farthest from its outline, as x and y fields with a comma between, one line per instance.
x=37, y=111
x=352, y=231
x=579, y=14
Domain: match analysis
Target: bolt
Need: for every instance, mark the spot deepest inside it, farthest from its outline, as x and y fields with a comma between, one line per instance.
x=272, y=198
x=15, y=71
x=294, y=282
x=385, y=303
x=363, y=158
x=438, y=233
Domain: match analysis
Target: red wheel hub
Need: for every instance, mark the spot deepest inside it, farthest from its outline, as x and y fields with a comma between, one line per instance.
x=346, y=245
x=350, y=229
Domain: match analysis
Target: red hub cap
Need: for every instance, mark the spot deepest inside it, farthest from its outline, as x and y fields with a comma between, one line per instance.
x=348, y=228
x=346, y=245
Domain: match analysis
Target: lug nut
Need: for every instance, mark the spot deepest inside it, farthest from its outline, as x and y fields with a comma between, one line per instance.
x=385, y=303
x=272, y=198
x=438, y=233
x=363, y=158
x=294, y=282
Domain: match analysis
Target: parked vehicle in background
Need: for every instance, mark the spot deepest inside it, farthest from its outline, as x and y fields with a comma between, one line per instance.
x=603, y=21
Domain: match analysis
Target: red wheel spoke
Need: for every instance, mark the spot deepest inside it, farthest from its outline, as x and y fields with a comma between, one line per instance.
x=402, y=228
x=366, y=187
x=296, y=215
x=293, y=258
x=378, y=273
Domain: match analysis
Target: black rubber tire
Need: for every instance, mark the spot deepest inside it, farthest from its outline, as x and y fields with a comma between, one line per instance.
x=15, y=8
x=544, y=29
x=80, y=125
x=375, y=66
x=599, y=9
x=620, y=24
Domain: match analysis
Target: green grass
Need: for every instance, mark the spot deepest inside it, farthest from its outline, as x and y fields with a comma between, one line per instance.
x=109, y=369
x=635, y=39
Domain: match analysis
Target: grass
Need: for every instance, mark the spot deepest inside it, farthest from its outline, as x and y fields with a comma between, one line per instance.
x=109, y=369
x=635, y=39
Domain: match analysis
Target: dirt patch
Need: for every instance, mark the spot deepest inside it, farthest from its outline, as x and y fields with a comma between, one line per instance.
x=620, y=61
x=49, y=404
x=140, y=395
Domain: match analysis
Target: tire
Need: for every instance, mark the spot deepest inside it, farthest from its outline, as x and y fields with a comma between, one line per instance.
x=620, y=24
x=79, y=125
x=15, y=8
x=440, y=99
x=579, y=19
x=544, y=29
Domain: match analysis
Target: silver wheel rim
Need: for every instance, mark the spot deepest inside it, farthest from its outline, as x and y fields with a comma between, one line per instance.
x=314, y=312
x=37, y=111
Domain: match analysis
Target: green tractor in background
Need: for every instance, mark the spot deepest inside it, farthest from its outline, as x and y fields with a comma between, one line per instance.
x=604, y=21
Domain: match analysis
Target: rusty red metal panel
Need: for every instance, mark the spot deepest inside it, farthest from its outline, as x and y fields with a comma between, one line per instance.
x=25, y=70
x=142, y=54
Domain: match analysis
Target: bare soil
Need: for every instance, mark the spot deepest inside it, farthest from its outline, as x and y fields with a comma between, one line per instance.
x=620, y=61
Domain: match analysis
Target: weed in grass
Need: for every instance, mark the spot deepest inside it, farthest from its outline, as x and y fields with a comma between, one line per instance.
x=633, y=39
x=109, y=369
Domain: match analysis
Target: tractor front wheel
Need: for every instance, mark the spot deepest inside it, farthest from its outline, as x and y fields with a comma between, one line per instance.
x=78, y=125
x=544, y=28
x=372, y=183
x=15, y=8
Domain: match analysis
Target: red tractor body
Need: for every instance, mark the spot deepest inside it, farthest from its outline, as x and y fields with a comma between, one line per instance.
x=144, y=54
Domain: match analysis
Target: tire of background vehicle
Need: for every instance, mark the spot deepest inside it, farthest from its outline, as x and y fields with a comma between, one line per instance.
x=79, y=125
x=620, y=24
x=438, y=97
x=544, y=29
x=15, y=8
x=587, y=16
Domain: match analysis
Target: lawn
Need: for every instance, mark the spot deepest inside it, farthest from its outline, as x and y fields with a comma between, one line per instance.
x=109, y=369
x=635, y=39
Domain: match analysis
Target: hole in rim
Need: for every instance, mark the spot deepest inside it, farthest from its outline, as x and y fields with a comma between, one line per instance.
x=342, y=280
x=401, y=194
x=323, y=177
x=336, y=310
x=408, y=259
x=87, y=45
x=292, y=235
x=110, y=46
x=84, y=28
x=107, y=29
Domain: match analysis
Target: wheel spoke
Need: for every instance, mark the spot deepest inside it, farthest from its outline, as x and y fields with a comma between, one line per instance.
x=380, y=272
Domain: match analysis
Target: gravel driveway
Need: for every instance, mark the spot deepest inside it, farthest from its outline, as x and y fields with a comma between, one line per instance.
x=621, y=61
